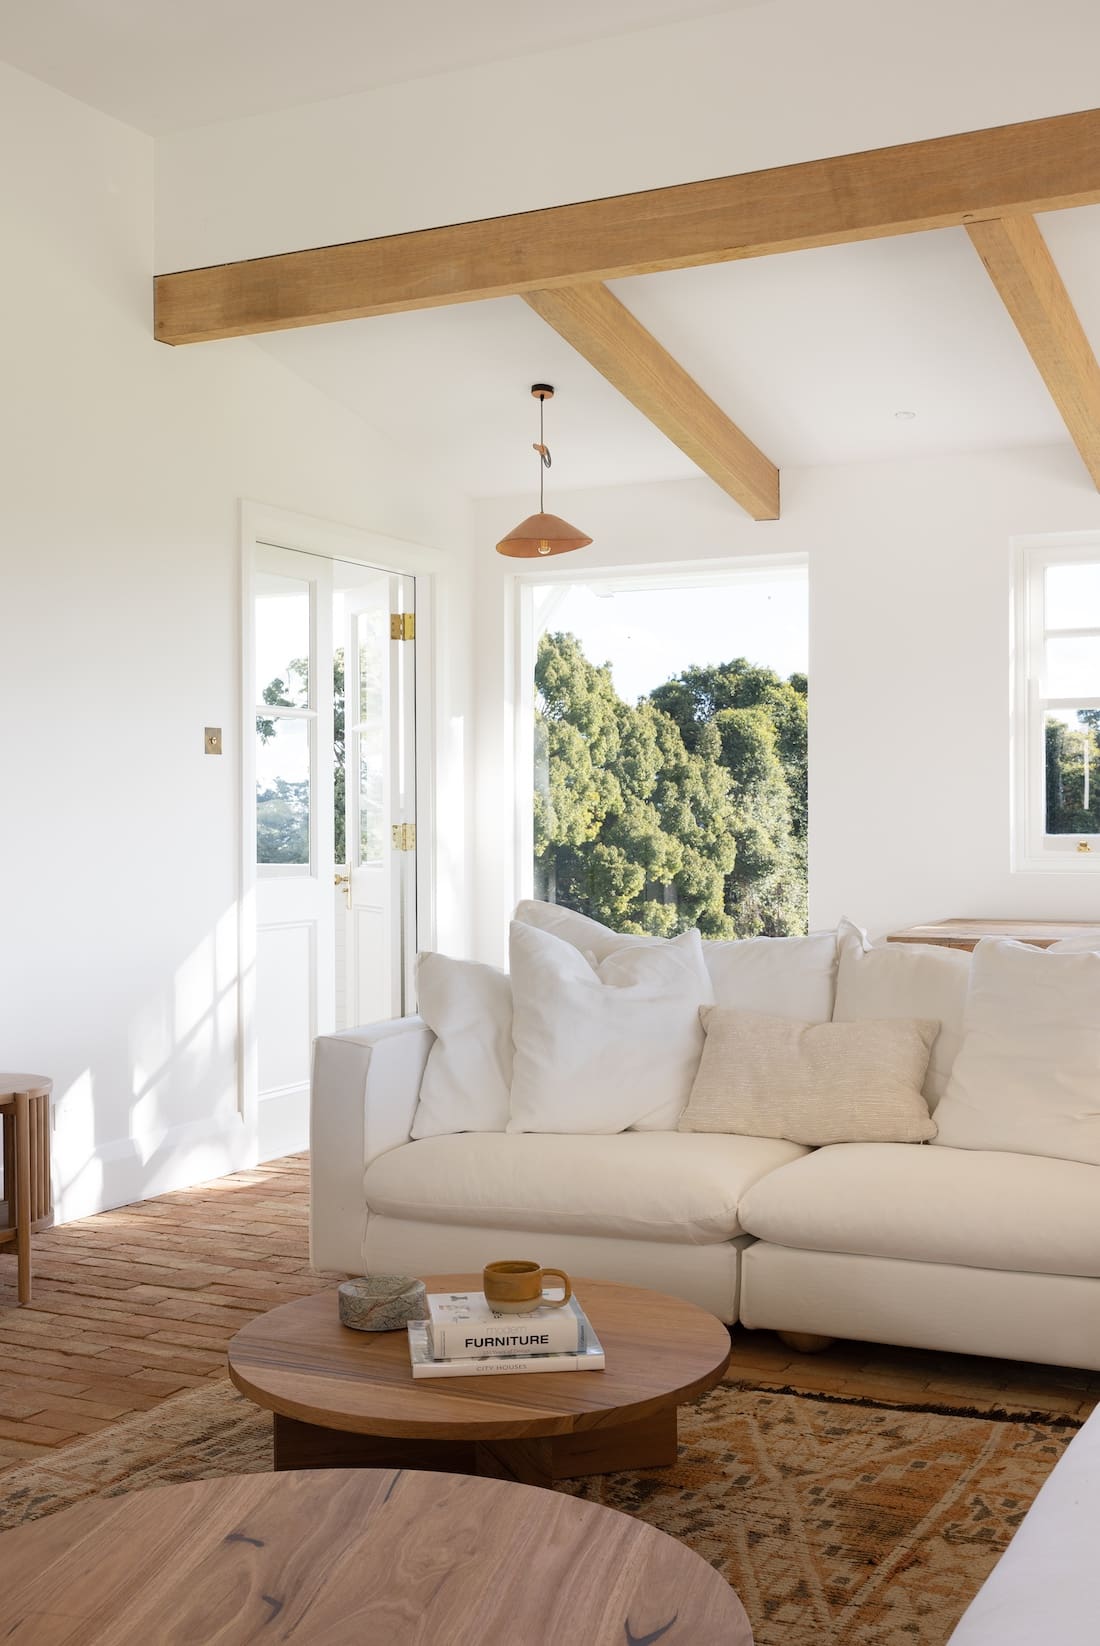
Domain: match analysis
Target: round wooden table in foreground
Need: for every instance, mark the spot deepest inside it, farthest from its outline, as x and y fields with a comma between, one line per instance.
x=358, y=1556
x=344, y=1398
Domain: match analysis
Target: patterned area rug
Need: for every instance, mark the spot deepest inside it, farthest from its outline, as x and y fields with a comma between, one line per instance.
x=860, y=1525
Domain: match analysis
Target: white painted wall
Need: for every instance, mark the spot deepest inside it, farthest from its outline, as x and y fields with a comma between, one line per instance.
x=763, y=86
x=124, y=463
x=910, y=800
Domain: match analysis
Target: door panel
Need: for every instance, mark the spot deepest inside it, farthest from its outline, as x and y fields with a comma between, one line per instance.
x=295, y=932
x=380, y=795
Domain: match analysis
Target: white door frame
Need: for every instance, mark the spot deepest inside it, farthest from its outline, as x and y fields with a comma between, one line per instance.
x=263, y=523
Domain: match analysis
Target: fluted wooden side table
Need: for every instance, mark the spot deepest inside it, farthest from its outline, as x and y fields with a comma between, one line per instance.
x=28, y=1197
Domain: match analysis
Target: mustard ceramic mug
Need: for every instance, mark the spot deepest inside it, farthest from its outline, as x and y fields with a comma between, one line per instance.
x=516, y=1288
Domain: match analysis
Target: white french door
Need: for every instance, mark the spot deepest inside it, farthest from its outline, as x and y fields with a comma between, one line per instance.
x=332, y=814
x=376, y=882
x=292, y=743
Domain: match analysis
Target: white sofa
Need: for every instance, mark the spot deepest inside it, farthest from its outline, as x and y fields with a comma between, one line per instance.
x=962, y=1249
x=1046, y=1586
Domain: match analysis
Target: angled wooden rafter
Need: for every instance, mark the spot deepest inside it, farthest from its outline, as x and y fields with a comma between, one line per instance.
x=1006, y=171
x=1019, y=263
x=604, y=331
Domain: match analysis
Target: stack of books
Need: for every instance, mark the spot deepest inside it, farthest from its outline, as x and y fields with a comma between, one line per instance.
x=465, y=1337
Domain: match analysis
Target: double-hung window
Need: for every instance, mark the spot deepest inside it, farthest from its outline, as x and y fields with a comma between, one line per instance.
x=1058, y=705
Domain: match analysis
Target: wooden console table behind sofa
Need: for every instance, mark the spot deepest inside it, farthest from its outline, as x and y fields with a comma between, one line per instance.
x=966, y=934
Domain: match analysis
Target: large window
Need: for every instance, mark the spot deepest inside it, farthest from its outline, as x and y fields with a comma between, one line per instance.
x=670, y=750
x=1058, y=704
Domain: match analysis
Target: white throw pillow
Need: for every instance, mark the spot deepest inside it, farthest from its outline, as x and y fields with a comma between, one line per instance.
x=905, y=980
x=1027, y=1078
x=812, y=1083
x=604, y=1048
x=579, y=930
x=467, y=1081
x=1090, y=944
x=779, y=976
x=786, y=976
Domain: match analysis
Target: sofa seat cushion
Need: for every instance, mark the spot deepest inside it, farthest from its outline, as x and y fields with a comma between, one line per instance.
x=969, y=1207
x=673, y=1186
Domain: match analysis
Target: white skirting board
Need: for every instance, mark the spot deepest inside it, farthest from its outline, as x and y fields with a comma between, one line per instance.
x=134, y=1168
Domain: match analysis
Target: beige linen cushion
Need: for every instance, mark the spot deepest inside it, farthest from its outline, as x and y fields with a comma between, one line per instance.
x=812, y=1083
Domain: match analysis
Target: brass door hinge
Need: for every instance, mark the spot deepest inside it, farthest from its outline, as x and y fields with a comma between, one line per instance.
x=404, y=837
x=403, y=626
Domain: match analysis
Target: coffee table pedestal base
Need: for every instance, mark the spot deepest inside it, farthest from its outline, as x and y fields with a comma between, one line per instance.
x=648, y=1444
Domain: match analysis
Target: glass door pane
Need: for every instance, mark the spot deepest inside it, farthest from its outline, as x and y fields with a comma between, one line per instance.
x=376, y=908
x=282, y=790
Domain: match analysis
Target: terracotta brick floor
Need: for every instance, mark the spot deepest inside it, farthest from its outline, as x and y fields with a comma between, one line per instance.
x=136, y=1304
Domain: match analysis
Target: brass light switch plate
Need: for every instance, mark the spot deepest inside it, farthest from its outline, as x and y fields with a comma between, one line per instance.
x=212, y=739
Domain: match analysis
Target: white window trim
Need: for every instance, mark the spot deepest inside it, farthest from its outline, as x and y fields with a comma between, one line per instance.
x=1033, y=850
x=685, y=573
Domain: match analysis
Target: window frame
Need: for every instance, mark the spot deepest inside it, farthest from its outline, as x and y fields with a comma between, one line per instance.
x=1034, y=849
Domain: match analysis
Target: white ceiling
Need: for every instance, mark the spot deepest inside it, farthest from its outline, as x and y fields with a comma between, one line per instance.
x=167, y=65
x=812, y=353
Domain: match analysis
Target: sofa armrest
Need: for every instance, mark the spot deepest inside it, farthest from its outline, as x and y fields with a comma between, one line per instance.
x=363, y=1095
x=1046, y=1585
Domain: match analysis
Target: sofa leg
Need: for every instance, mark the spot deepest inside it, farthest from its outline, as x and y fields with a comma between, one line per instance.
x=806, y=1343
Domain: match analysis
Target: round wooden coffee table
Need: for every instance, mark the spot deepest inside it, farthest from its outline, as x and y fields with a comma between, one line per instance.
x=343, y=1398
x=360, y=1555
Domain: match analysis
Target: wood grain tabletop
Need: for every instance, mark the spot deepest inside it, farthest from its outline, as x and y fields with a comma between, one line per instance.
x=300, y=1362
x=348, y=1557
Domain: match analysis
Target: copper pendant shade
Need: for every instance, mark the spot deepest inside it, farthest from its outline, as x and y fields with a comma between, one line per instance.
x=541, y=534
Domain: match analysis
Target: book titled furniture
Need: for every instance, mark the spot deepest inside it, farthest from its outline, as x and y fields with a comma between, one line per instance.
x=343, y=1399
x=365, y=1555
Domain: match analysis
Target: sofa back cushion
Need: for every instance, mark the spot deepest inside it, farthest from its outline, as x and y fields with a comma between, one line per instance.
x=812, y=1083
x=785, y=976
x=1027, y=1077
x=467, y=1081
x=905, y=980
x=578, y=930
x=780, y=976
x=608, y=1046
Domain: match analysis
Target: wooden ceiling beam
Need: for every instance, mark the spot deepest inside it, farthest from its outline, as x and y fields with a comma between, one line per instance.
x=604, y=331
x=1040, y=165
x=1019, y=263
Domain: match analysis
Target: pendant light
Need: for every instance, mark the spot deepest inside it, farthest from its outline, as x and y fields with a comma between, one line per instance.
x=542, y=534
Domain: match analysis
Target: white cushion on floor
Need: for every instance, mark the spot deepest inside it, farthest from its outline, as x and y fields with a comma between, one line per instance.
x=645, y=1185
x=932, y=1205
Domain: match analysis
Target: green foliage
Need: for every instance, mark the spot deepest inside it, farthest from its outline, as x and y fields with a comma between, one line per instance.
x=685, y=809
x=282, y=822
x=1071, y=752
x=282, y=809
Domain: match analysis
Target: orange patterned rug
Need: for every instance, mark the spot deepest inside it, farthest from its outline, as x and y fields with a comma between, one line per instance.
x=835, y=1521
